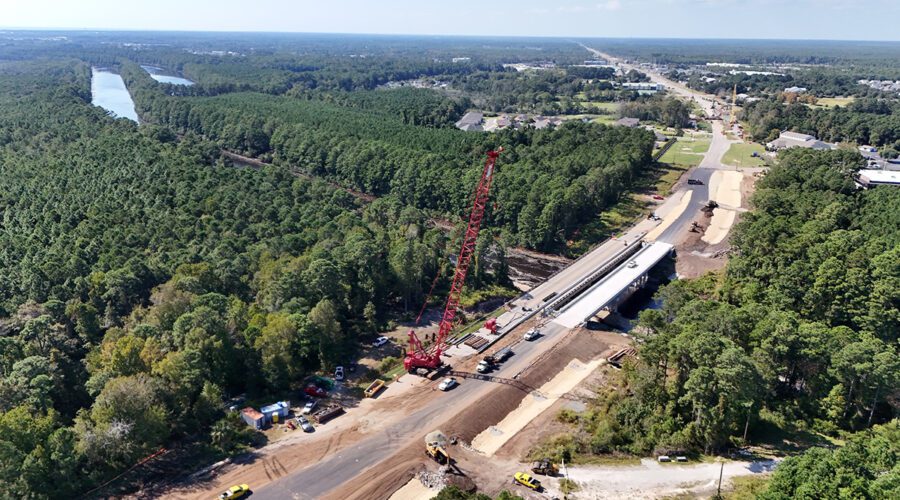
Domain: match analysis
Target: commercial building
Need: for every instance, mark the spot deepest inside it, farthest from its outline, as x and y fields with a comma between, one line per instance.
x=872, y=178
x=644, y=86
x=796, y=140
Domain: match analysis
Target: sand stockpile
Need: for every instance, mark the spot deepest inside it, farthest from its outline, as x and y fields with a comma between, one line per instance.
x=719, y=226
x=494, y=437
x=414, y=490
x=725, y=187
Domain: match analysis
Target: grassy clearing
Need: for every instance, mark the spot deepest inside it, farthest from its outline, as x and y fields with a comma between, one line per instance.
x=741, y=155
x=607, y=107
x=686, y=152
x=609, y=223
x=833, y=102
x=470, y=298
x=671, y=174
x=605, y=119
x=746, y=487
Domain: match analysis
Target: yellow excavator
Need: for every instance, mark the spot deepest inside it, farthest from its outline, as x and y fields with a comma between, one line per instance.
x=438, y=453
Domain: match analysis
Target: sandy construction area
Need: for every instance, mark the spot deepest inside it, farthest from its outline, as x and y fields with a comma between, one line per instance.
x=414, y=490
x=493, y=438
x=669, y=216
x=653, y=480
x=725, y=187
x=719, y=226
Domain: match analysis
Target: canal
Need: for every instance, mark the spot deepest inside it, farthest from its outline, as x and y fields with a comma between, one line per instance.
x=108, y=91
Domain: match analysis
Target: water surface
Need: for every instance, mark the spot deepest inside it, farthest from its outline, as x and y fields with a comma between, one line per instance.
x=108, y=91
x=159, y=75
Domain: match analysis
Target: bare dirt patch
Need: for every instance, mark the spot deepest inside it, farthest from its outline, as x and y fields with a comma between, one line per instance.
x=490, y=474
x=532, y=406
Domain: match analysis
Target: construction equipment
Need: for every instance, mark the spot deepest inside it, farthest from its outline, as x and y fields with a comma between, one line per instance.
x=731, y=118
x=328, y=413
x=373, y=388
x=437, y=453
x=545, y=467
x=420, y=360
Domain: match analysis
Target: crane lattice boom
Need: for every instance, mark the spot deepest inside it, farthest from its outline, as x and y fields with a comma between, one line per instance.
x=417, y=356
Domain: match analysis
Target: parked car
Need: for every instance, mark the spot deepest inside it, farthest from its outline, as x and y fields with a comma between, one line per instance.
x=236, y=491
x=380, y=341
x=310, y=406
x=658, y=197
x=532, y=334
x=339, y=373
x=695, y=181
x=315, y=391
x=304, y=424
x=448, y=383
x=526, y=480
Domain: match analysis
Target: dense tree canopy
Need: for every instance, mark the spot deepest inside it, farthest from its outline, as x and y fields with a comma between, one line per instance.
x=803, y=329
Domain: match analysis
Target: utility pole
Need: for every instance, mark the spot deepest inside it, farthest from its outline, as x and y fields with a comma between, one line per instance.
x=747, y=423
x=719, y=490
x=566, y=477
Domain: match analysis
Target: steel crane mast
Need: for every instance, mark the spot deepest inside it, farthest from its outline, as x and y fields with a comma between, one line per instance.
x=430, y=359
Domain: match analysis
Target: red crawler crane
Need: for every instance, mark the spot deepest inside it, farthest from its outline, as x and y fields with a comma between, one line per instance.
x=418, y=357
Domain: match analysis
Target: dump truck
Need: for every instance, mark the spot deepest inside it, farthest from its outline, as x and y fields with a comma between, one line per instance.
x=437, y=453
x=544, y=467
x=328, y=413
x=374, y=388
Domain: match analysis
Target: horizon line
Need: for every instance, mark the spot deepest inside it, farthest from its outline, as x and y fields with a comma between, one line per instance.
x=338, y=33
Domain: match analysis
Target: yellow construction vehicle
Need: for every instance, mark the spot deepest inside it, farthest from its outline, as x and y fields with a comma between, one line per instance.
x=438, y=453
x=545, y=467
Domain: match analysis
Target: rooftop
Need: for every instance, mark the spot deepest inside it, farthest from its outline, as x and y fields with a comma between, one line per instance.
x=868, y=177
x=252, y=413
x=628, y=122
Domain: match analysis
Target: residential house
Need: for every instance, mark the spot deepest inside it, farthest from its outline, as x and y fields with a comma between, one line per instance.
x=627, y=122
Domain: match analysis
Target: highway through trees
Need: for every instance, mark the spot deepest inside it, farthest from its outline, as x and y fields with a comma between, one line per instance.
x=342, y=465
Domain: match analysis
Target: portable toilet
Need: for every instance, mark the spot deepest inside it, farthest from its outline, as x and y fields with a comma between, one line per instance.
x=277, y=412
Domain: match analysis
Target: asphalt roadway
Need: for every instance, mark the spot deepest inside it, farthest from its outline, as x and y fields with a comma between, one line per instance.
x=336, y=470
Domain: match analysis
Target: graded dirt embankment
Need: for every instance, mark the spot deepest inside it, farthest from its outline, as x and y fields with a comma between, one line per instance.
x=493, y=438
x=725, y=187
x=414, y=490
x=719, y=226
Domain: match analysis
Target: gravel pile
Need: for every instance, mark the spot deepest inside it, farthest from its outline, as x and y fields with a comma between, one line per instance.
x=433, y=480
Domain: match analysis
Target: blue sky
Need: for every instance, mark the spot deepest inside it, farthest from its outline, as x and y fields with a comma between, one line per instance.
x=816, y=19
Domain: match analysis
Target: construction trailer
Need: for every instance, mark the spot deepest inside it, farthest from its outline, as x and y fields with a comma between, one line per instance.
x=277, y=412
x=253, y=418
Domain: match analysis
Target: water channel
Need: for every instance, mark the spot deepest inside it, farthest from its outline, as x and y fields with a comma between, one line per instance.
x=160, y=75
x=109, y=92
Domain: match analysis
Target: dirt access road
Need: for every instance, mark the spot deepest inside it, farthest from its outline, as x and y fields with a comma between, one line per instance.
x=383, y=438
x=654, y=480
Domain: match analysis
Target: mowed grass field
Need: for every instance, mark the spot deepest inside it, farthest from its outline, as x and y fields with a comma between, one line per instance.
x=687, y=151
x=833, y=102
x=741, y=155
